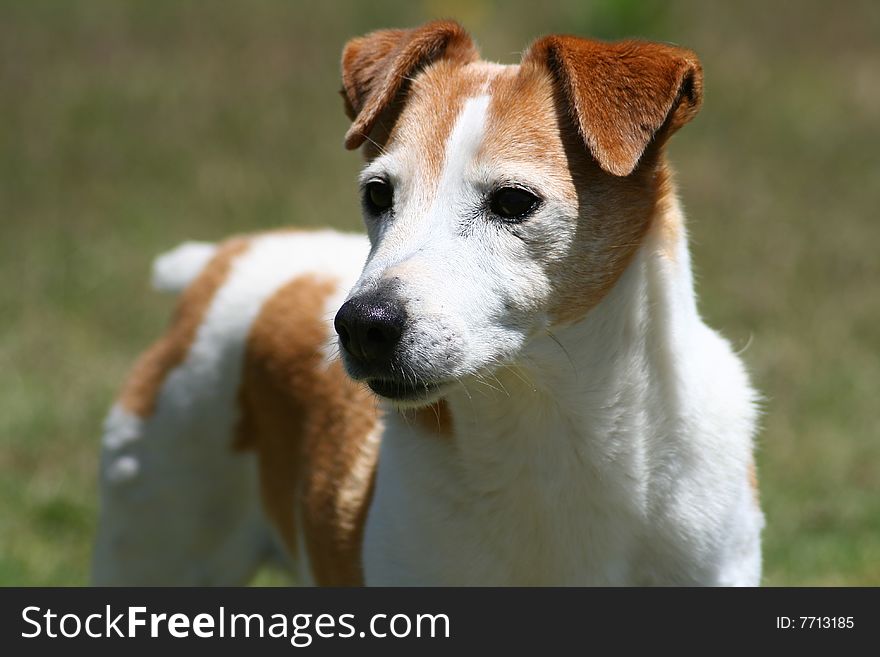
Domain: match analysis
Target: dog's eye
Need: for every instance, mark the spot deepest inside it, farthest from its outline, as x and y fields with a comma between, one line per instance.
x=513, y=203
x=378, y=196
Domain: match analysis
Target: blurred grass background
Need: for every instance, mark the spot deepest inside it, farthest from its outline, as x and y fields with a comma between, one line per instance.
x=127, y=127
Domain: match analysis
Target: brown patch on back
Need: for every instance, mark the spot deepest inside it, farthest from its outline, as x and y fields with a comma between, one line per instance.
x=434, y=419
x=141, y=389
x=313, y=429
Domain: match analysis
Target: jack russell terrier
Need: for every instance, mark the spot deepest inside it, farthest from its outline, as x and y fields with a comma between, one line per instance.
x=516, y=388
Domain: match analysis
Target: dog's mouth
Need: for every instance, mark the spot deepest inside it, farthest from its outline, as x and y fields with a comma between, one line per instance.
x=405, y=391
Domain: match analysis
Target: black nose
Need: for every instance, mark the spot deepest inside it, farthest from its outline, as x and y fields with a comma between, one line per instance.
x=370, y=327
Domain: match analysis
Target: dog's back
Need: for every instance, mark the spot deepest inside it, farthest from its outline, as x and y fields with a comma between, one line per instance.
x=239, y=426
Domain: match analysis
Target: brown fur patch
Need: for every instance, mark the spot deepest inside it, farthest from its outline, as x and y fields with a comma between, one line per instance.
x=434, y=419
x=522, y=123
x=753, y=483
x=313, y=429
x=141, y=389
x=666, y=218
x=616, y=214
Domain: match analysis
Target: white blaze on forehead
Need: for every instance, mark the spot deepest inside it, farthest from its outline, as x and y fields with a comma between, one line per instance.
x=463, y=143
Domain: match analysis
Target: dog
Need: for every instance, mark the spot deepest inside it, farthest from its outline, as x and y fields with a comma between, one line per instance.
x=507, y=382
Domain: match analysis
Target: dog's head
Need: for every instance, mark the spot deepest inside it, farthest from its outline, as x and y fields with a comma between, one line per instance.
x=500, y=201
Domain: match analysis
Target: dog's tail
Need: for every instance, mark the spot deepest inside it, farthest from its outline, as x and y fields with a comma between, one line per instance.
x=174, y=270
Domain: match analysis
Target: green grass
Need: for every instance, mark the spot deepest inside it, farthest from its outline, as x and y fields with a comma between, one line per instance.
x=126, y=127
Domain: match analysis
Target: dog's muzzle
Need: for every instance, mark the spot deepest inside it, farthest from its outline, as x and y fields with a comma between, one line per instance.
x=371, y=328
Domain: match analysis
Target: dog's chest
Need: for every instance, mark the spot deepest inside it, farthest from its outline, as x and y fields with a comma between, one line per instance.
x=510, y=516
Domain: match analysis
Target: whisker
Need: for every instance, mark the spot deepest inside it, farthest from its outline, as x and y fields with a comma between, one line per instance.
x=467, y=392
x=492, y=374
x=479, y=379
x=405, y=414
x=564, y=350
x=515, y=371
x=374, y=143
x=437, y=415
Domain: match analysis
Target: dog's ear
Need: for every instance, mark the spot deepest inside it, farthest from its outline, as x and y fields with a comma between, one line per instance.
x=621, y=95
x=376, y=68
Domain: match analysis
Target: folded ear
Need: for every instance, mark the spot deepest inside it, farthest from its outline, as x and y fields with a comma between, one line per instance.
x=375, y=68
x=622, y=95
